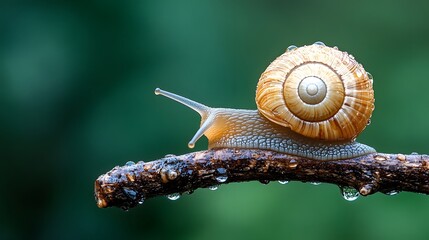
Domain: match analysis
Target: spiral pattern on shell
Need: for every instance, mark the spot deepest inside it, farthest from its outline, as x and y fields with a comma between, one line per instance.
x=317, y=91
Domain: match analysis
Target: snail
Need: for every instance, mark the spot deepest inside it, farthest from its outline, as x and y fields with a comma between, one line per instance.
x=312, y=102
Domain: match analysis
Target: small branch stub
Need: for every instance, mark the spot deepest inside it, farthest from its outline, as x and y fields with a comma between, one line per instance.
x=131, y=184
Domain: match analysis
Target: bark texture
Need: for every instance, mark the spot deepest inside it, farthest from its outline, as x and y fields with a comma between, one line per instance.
x=131, y=184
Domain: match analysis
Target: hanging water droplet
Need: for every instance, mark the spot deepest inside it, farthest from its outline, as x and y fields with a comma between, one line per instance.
x=291, y=47
x=214, y=187
x=369, y=122
x=392, y=193
x=319, y=43
x=157, y=91
x=335, y=47
x=369, y=76
x=283, y=182
x=349, y=193
x=414, y=153
x=170, y=155
x=173, y=196
x=141, y=201
x=315, y=183
x=221, y=179
x=129, y=163
x=351, y=56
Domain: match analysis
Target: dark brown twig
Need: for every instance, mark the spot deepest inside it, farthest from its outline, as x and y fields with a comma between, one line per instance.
x=129, y=185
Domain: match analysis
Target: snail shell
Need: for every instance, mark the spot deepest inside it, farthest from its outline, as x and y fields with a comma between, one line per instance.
x=317, y=91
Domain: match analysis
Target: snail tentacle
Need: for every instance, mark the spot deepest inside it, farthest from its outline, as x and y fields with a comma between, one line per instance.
x=207, y=114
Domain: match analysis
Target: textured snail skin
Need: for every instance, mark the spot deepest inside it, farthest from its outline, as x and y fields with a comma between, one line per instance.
x=238, y=128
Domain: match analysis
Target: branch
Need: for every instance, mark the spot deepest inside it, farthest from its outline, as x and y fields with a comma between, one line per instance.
x=129, y=185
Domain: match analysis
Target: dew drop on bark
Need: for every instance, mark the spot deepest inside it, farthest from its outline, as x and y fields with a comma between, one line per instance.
x=221, y=179
x=349, y=193
x=130, y=193
x=173, y=196
x=129, y=163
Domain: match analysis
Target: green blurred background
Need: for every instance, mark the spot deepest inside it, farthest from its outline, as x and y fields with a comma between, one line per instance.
x=76, y=97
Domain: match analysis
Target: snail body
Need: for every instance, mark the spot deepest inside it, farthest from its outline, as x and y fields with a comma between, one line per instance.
x=312, y=102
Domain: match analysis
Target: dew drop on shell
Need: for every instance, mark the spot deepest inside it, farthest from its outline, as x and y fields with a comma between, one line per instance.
x=291, y=47
x=319, y=43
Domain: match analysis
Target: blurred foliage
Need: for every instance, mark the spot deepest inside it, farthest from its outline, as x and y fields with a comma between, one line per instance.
x=76, y=97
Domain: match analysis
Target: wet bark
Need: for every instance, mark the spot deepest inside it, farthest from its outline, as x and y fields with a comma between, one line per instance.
x=131, y=184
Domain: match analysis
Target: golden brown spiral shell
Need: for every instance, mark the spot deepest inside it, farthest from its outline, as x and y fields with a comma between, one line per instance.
x=317, y=91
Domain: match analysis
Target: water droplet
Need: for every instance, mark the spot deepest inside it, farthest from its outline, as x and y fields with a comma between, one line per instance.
x=291, y=47
x=319, y=43
x=170, y=155
x=335, y=47
x=369, y=122
x=141, y=201
x=191, y=145
x=293, y=163
x=414, y=153
x=214, y=187
x=173, y=196
x=283, y=182
x=264, y=181
x=221, y=179
x=157, y=91
x=315, y=183
x=369, y=76
x=392, y=193
x=130, y=193
x=351, y=56
x=349, y=193
x=129, y=163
